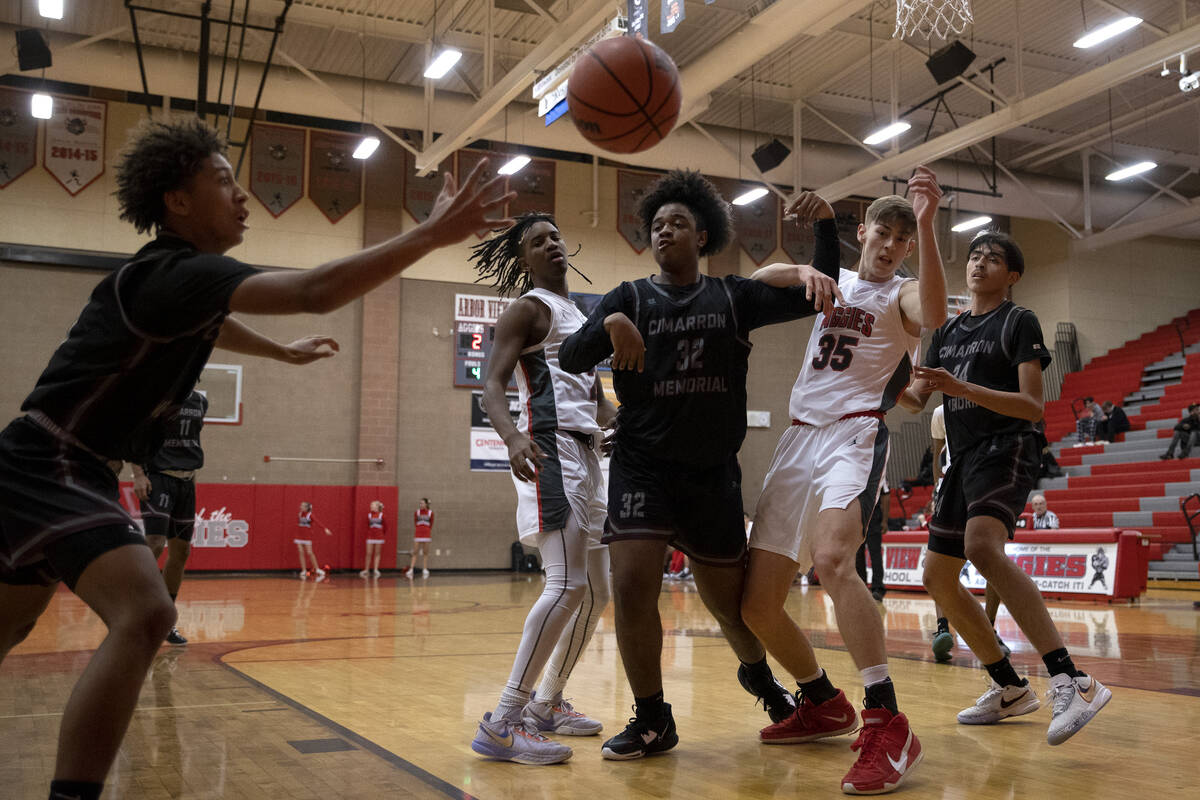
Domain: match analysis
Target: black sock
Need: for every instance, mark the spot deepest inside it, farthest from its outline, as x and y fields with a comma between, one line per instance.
x=173, y=596
x=1059, y=662
x=650, y=708
x=1002, y=672
x=75, y=790
x=759, y=674
x=943, y=625
x=818, y=691
x=882, y=695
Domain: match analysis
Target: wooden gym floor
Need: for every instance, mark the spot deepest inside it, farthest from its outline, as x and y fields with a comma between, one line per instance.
x=364, y=689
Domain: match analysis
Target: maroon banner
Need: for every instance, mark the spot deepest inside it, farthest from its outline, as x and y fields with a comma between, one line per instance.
x=277, y=166
x=849, y=215
x=420, y=193
x=74, y=150
x=334, y=177
x=630, y=188
x=534, y=186
x=757, y=225
x=18, y=136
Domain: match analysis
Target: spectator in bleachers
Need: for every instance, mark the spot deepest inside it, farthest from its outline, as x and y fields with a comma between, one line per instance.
x=1043, y=518
x=1088, y=419
x=1112, y=422
x=1187, y=430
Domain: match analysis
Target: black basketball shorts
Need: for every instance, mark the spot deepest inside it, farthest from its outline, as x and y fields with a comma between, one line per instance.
x=994, y=479
x=59, y=508
x=170, y=510
x=698, y=511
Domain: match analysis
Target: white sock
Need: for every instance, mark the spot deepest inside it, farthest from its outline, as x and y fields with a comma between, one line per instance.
x=874, y=675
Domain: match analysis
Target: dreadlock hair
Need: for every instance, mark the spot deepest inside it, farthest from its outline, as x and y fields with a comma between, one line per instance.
x=498, y=259
x=693, y=190
x=158, y=158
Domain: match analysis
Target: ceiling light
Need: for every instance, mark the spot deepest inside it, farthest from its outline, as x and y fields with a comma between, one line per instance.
x=366, y=148
x=514, y=165
x=1189, y=83
x=1106, y=32
x=41, y=105
x=442, y=64
x=971, y=224
x=51, y=9
x=746, y=198
x=1130, y=171
x=883, y=134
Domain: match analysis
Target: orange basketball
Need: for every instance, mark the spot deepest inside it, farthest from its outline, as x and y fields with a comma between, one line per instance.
x=624, y=94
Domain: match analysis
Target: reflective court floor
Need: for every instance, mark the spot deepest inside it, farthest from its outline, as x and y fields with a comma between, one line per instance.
x=362, y=689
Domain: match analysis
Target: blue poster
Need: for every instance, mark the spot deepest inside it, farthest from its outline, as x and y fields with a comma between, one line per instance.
x=639, y=22
x=672, y=15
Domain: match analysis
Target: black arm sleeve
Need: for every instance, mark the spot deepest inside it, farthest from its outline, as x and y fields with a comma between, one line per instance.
x=827, y=251
x=588, y=346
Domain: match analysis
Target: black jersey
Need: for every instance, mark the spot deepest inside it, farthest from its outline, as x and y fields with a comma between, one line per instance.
x=181, y=449
x=986, y=350
x=689, y=405
x=137, y=349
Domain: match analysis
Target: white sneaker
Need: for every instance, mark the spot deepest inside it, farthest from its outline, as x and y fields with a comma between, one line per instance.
x=1074, y=701
x=560, y=718
x=999, y=702
x=364, y=573
x=320, y=573
x=376, y=574
x=302, y=574
x=424, y=573
x=511, y=740
x=409, y=574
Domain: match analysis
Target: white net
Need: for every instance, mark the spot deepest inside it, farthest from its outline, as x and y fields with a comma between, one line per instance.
x=932, y=18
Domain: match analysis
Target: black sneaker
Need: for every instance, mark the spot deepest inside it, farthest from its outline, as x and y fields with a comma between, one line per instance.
x=775, y=698
x=175, y=638
x=642, y=738
x=878, y=594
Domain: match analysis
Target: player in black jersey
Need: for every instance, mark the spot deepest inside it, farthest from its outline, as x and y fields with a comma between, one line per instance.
x=679, y=342
x=988, y=363
x=166, y=487
x=127, y=365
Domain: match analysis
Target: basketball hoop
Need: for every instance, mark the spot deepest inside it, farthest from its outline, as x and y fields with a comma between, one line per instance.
x=930, y=18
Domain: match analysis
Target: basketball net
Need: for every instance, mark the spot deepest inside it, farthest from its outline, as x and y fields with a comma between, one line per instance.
x=930, y=18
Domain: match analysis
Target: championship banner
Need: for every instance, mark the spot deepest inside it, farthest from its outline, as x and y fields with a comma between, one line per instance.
x=18, y=136
x=420, y=193
x=797, y=239
x=630, y=188
x=639, y=20
x=534, y=186
x=672, y=14
x=277, y=166
x=334, y=177
x=1062, y=568
x=74, y=151
x=757, y=225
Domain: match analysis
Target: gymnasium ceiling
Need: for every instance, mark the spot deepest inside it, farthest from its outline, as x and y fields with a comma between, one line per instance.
x=836, y=56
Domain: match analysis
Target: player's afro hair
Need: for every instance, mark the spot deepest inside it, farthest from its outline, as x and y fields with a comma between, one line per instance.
x=693, y=190
x=160, y=157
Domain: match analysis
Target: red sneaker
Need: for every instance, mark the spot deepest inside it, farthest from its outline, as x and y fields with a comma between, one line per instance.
x=888, y=753
x=810, y=721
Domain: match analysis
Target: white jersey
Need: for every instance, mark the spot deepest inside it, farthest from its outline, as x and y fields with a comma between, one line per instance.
x=552, y=399
x=860, y=357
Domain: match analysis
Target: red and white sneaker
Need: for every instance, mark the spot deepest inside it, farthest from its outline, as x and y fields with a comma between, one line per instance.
x=888, y=752
x=811, y=721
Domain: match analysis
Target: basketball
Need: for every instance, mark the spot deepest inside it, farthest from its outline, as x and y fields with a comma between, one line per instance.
x=624, y=94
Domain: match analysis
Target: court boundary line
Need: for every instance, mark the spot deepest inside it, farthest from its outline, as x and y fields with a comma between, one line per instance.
x=378, y=750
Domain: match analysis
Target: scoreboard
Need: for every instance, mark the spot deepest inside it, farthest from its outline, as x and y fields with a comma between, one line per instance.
x=472, y=345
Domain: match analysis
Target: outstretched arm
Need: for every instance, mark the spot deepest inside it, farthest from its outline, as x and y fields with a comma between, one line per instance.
x=456, y=214
x=924, y=305
x=239, y=337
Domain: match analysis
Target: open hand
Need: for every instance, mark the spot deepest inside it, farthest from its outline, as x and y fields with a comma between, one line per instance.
x=821, y=289
x=459, y=212
x=311, y=348
x=808, y=207
x=525, y=457
x=926, y=194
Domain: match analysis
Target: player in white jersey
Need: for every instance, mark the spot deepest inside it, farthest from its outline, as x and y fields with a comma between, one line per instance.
x=823, y=484
x=560, y=489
